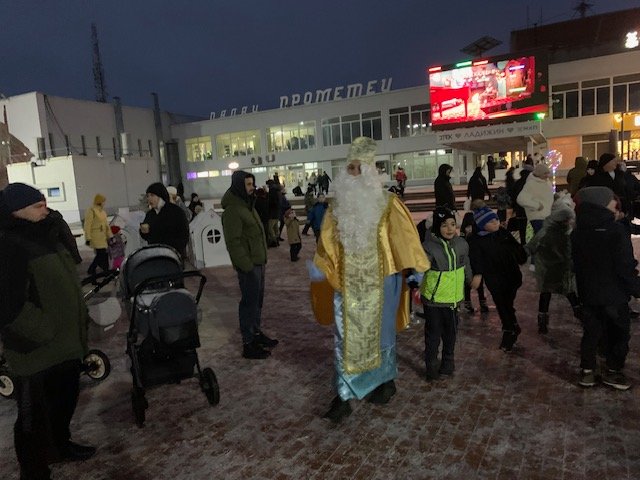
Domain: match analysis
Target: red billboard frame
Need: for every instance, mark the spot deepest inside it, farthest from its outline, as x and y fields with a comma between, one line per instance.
x=489, y=90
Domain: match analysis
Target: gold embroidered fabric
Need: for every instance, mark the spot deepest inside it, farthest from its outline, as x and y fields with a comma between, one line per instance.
x=362, y=310
x=360, y=280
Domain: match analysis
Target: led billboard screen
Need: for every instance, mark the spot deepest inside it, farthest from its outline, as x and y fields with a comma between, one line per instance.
x=486, y=91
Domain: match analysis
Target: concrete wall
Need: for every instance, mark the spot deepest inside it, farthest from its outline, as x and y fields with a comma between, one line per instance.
x=81, y=177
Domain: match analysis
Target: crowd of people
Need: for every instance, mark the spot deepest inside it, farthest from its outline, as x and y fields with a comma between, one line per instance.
x=369, y=256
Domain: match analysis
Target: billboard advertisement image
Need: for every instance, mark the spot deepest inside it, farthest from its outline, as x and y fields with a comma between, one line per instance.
x=486, y=91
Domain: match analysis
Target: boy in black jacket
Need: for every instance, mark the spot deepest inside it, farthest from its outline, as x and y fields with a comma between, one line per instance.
x=495, y=258
x=606, y=280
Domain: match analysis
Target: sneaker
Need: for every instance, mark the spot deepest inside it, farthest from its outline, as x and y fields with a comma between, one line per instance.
x=383, y=393
x=263, y=341
x=616, y=379
x=484, y=308
x=254, y=351
x=338, y=410
x=587, y=378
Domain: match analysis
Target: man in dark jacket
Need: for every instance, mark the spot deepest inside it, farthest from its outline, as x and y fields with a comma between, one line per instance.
x=608, y=175
x=443, y=189
x=165, y=222
x=477, y=187
x=245, y=240
x=606, y=278
x=43, y=323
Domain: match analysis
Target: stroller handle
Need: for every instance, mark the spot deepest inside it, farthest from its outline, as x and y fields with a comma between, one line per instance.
x=168, y=278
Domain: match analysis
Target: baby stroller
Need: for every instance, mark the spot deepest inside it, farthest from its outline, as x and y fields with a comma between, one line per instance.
x=163, y=324
x=95, y=363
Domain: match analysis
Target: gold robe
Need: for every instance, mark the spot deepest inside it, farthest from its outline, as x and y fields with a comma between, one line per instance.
x=399, y=248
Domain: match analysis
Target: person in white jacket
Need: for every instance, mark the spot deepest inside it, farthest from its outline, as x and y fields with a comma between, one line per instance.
x=536, y=196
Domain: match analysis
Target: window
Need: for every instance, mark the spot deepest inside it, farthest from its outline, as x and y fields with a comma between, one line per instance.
x=424, y=164
x=150, y=149
x=571, y=104
x=115, y=149
x=139, y=147
x=238, y=144
x=98, y=147
x=634, y=96
x=343, y=130
x=198, y=149
x=67, y=144
x=603, y=99
x=557, y=105
x=294, y=136
x=620, y=98
x=588, y=101
x=594, y=145
x=83, y=143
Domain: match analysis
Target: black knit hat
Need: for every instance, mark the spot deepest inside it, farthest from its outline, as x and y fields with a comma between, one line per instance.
x=592, y=164
x=440, y=214
x=605, y=158
x=17, y=196
x=159, y=190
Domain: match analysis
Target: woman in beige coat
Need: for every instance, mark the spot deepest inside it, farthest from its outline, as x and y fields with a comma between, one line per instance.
x=96, y=233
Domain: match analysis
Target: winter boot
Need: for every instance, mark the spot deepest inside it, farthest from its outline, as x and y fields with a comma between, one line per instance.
x=543, y=322
x=468, y=306
x=383, y=393
x=484, y=308
x=338, y=410
x=577, y=312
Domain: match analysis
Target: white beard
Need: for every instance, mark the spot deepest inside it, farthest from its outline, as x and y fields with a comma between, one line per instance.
x=359, y=205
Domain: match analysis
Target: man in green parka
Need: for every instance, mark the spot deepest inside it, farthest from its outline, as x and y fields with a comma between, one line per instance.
x=43, y=323
x=245, y=240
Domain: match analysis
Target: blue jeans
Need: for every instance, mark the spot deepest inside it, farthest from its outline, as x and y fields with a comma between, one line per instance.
x=250, y=307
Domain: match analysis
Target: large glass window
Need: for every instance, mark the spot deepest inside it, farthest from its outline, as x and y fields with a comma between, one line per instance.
x=421, y=165
x=588, y=101
x=620, y=98
x=238, y=144
x=409, y=121
x=342, y=130
x=571, y=104
x=603, y=100
x=198, y=149
x=594, y=145
x=557, y=105
x=634, y=96
x=294, y=136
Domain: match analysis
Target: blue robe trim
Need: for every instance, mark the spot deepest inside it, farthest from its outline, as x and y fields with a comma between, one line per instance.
x=360, y=384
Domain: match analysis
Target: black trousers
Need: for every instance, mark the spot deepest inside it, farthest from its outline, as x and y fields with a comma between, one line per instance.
x=100, y=260
x=252, y=296
x=441, y=324
x=612, y=323
x=481, y=296
x=46, y=403
x=545, y=300
x=504, y=295
x=294, y=250
x=306, y=228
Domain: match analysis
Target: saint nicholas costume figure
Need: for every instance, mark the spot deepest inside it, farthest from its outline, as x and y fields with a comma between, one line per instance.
x=367, y=240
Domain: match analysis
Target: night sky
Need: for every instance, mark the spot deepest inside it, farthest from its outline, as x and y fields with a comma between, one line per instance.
x=209, y=55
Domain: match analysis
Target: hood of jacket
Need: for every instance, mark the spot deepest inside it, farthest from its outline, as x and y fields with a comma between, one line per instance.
x=442, y=170
x=590, y=216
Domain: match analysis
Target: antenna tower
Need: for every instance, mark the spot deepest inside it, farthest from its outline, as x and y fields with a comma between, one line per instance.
x=98, y=71
x=582, y=8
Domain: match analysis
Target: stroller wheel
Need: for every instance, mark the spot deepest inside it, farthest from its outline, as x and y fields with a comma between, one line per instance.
x=139, y=404
x=97, y=365
x=209, y=385
x=6, y=385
